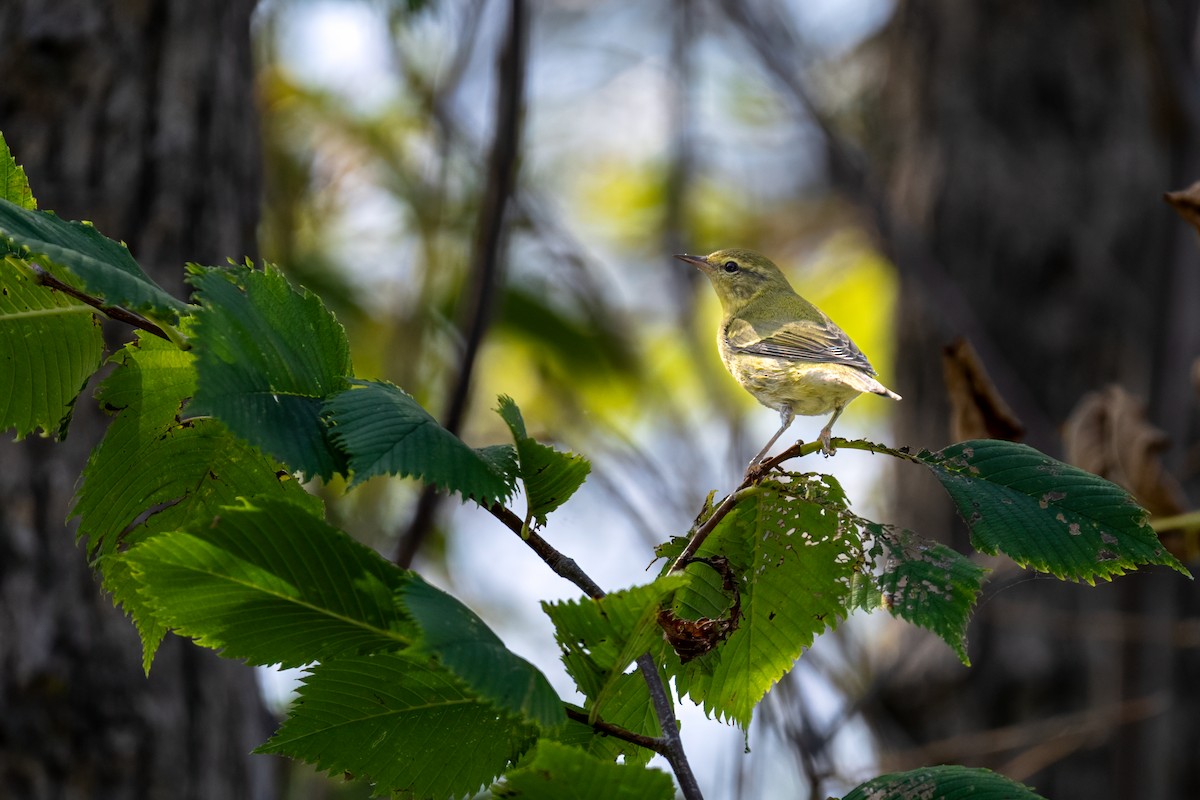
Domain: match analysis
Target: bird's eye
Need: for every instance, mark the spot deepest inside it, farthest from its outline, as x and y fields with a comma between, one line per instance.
x=730, y=266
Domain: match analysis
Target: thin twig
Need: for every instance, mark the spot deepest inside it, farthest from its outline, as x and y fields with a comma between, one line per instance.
x=562, y=565
x=1188, y=520
x=664, y=709
x=800, y=449
x=486, y=273
x=117, y=313
x=617, y=732
x=755, y=473
x=710, y=524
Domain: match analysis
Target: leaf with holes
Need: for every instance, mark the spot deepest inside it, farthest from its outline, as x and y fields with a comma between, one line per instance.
x=943, y=783
x=928, y=584
x=1045, y=514
x=796, y=559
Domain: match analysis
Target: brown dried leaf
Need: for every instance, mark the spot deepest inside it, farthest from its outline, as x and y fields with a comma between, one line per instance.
x=1108, y=434
x=977, y=411
x=1186, y=203
x=692, y=638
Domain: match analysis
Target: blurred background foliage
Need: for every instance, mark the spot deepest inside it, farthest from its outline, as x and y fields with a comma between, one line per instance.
x=1002, y=172
x=374, y=178
x=648, y=129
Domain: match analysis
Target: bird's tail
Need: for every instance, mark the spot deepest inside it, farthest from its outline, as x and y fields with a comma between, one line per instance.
x=865, y=382
x=881, y=390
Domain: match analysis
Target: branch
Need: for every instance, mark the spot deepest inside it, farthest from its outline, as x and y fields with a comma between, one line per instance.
x=563, y=566
x=117, y=313
x=617, y=732
x=685, y=558
x=487, y=278
x=1187, y=521
x=665, y=711
x=670, y=746
x=756, y=473
x=486, y=274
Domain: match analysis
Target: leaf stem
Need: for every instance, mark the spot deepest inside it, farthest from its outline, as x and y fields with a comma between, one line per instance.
x=617, y=732
x=562, y=565
x=44, y=278
x=710, y=524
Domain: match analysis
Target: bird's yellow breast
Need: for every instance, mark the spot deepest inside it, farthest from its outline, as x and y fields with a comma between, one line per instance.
x=808, y=388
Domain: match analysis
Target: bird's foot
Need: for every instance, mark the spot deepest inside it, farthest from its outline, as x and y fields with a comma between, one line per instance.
x=826, y=445
x=756, y=470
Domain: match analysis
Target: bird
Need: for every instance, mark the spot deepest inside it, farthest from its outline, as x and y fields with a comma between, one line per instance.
x=781, y=348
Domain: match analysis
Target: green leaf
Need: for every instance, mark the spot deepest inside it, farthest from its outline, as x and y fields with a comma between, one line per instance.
x=386, y=432
x=78, y=254
x=125, y=589
x=557, y=771
x=943, y=783
x=270, y=583
x=461, y=642
x=14, y=186
x=400, y=723
x=49, y=346
x=1045, y=514
x=550, y=477
x=268, y=356
x=153, y=472
x=600, y=639
x=929, y=584
x=626, y=703
x=796, y=559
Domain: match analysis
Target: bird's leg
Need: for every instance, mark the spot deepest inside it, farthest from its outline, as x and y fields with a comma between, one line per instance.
x=785, y=418
x=826, y=447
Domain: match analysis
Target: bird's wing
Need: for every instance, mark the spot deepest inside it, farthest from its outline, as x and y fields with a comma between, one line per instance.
x=818, y=342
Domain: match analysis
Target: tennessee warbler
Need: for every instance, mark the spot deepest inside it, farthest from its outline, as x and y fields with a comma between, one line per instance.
x=780, y=347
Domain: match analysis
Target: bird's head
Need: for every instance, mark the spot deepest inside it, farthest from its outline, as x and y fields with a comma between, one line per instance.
x=739, y=276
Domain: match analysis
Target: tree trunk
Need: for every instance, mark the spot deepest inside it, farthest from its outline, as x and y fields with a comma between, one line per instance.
x=140, y=117
x=1026, y=147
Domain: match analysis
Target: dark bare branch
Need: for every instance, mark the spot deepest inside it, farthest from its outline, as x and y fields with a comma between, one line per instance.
x=487, y=274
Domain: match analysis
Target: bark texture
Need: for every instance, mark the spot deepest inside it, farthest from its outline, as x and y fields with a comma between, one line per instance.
x=1026, y=147
x=138, y=115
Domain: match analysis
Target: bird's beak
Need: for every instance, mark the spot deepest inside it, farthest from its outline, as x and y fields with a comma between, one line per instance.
x=700, y=262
